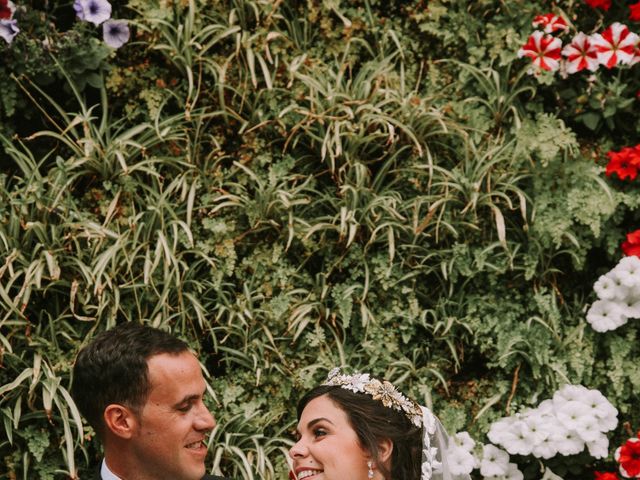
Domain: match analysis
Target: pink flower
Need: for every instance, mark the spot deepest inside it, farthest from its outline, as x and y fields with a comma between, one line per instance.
x=550, y=22
x=580, y=54
x=544, y=50
x=616, y=45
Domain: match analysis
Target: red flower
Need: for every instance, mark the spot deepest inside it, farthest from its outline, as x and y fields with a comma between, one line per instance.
x=602, y=4
x=5, y=11
x=634, y=14
x=615, y=45
x=544, y=50
x=631, y=247
x=624, y=163
x=628, y=455
x=605, y=476
x=550, y=22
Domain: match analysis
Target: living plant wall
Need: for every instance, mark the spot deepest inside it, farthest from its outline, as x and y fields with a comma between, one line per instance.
x=427, y=191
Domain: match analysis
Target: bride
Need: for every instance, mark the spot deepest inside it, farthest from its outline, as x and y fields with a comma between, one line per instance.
x=355, y=427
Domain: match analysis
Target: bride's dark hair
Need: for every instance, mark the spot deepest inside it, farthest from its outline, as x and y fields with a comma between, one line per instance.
x=373, y=422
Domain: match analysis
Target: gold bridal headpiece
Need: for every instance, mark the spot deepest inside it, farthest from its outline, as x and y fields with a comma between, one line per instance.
x=382, y=391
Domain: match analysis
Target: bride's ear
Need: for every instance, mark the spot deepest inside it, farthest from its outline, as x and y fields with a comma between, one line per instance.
x=385, y=449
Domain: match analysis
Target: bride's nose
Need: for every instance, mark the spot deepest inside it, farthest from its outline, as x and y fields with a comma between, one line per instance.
x=299, y=450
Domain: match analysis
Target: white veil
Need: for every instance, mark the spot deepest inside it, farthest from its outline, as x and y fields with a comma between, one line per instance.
x=435, y=446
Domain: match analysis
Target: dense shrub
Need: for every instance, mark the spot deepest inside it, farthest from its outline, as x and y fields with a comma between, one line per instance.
x=292, y=186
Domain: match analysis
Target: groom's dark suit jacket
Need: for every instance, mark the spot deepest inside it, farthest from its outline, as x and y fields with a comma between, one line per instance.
x=206, y=477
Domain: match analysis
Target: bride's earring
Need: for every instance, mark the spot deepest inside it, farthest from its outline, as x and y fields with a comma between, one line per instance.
x=370, y=472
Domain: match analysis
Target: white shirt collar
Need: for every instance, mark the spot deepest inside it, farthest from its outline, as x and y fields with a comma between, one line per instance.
x=107, y=474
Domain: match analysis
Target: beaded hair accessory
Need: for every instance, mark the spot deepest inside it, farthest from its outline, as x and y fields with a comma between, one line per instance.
x=383, y=391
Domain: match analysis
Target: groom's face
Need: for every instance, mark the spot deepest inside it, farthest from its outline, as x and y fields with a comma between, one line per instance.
x=170, y=438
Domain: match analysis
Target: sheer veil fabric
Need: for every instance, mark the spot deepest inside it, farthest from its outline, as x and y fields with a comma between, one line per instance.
x=435, y=443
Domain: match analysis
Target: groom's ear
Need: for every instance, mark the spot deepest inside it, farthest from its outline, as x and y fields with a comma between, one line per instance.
x=385, y=449
x=120, y=420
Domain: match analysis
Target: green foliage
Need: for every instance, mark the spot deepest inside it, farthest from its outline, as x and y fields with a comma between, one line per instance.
x=292, y=186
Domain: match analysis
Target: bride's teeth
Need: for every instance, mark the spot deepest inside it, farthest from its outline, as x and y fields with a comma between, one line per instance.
x=307, y=473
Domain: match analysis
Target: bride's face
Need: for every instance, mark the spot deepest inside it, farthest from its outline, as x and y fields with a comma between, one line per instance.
x=327, y=448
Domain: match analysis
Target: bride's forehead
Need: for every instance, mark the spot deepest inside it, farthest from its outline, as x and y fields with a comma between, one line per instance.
x=322, y=407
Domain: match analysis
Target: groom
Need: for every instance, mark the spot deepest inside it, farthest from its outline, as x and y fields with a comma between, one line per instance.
x=142, y=390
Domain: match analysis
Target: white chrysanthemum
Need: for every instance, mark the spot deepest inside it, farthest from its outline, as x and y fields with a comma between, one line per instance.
x=605, y=315
x=494, y=461
x=464, y=440
x=599, y=448
x=605, y=288
x=459, y=460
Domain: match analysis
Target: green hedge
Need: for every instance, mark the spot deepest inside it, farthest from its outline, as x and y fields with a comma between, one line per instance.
x=296, y=185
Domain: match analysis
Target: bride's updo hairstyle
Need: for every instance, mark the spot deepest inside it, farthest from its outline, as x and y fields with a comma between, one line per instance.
x=373, y=422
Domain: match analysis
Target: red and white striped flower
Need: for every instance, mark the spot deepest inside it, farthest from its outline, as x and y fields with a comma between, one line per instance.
x=616, y=45
x=581, y=54
x=544, y=51
x=550, y=22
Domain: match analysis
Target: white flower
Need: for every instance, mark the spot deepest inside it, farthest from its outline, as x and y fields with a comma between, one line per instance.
x=547, y=448
x=115, y=33
x=567, y=442
x=545, y=407
x=599, y=448
x=464, y=440
x=620, y=290
x=588, y=429
x=460, y=461
x=518, y=440
x=540, y=426
x=94, y=11
x=494, y=461
x=605, y=315
x=513, y=473
x=499, y=430
x=628, y=271
x=572, y=414
x=572, y=393
x=605, y=288
x=8, y=30
x=600, y=407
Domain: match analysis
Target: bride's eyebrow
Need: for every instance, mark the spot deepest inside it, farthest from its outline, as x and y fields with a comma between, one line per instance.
x=318, y=420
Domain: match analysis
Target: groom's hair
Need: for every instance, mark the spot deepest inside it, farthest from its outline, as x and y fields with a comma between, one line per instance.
x=112, y=368
x=373, y=422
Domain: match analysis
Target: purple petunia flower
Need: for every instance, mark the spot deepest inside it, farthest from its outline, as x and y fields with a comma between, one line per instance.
x=115, y=33
x=8, y=30
x=94, y=11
